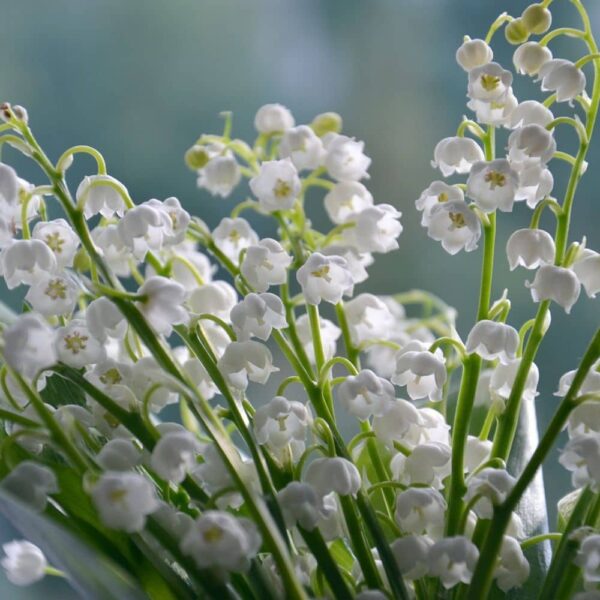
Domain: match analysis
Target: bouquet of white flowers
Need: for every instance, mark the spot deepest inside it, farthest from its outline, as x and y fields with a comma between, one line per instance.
x=133, y=311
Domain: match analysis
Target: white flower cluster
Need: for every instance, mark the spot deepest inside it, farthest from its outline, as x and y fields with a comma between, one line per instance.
x=136, y=310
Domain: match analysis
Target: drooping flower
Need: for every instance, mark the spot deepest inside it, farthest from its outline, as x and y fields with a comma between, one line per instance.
x=336, y=474
x=530, y=248
x=105, y=320
x=220, y=175
x=588, y=558
x=376, y=229
x=530, y=57
x=324, y=278
x=243, y=361
x=265, y=264
x=503, y=378
x=52, y=295
x=437, y=192
x=453, y=560
x=531, y=143
x=300, y=504
x=77, y=347
x=455, y=225
x=587, y=269
x=303, y=147
x=124, y=500
x=273, y=118
x=232, y=236
x=144, y=228
x=493, y=185
x=369, y=318
x=98, y=195
x=162, y=303
x=59, y=236
x=489, y=82
x=456, y=155
x=365, y=394
x=345, y=159
x=31, y=483
x=23, y=261
x=411, y=554
x=581, y=456
x=473, y=54
x=530, y=112
x=257, y=315
x=345, y=199
x=174, y=455
x=23, y=562
x=420, y=510
x=562, y=77
x=493, y=340
x=491, y=486
x=277, y=185
x=216, y=298
x=555, y=283
x=428, y=464
x=219, y=539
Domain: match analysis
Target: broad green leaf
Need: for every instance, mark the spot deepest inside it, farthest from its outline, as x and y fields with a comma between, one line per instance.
x=91, y=574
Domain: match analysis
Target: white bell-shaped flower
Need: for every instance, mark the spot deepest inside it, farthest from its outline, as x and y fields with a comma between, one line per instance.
x=23, y=261
x=277, y=185
x=581, y=456
x=105, y=320
x=473, y=53
x=365, y=394
x=503, y=378
x=493, y=185
x=336, y=474
x=530, y=248
x=147, y=376
x=531, y=142
x=590, y=385
x=476, y=452
x=216, y=298
x=492, y=486
x=530, y=57
x=243, y=361
x=535, y=182
x=174, y=455
x=427, y=464
x=300, y=504
x=232, y=236
x=562, y=77
x=303, y=147
x=23, y=562
x=52, y=295
x=257, y=315
x=555, y=283
x=273, y=118
x=513, y=568
x=29, y=344
x=124, y=500
x=489, y=83
x=411, y=554
x=31, y=483
x=420, y=510
x=456, y=155
x=588, y=559
x=119, y=455
x=453, y=560
x=422, y=372
x=376, y=229
x=584, y=418
x=357, y=262
x=434, y=427
x=144, y=228
x=345, y=159
x=496, y=113
x=9, y=186
x=530, y=112
x=492, y=340
x=330, y=333
x=455, y=225
x=217, y=539
x=401, y=422
x=324, y=278
x=178, y=219
x=587, y=269
x=265, y=264
x=113, y=249
x=77, y=347
x=437, y=192
x=98, y=195
x=220, y=175
x=369, y=318
x=60, y=238
x=346, y=199
x=162, y=303
x=281, y=423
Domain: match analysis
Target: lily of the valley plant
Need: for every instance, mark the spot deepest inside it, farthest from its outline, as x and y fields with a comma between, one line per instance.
x=172, y=392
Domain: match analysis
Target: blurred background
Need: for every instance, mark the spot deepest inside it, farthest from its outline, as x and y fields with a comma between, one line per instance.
x=141, y=80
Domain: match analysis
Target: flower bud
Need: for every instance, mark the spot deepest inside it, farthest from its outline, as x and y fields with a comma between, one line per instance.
x=325, y=123
x=531, y=57
x=516, y=32
x=473, y=54
x=537, y=18
x=24, y=563
x=273, y=118
x=196, y=157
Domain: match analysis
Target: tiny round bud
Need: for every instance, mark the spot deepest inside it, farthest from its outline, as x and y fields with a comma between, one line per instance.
x=196, y=157
x=328, y=122
x=6, y=111
x=81, y=262
x=537, y=18
x=21, y=113
x=516, y=32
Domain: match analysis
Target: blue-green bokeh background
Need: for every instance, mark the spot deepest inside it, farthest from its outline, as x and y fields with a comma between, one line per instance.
x=141, y=79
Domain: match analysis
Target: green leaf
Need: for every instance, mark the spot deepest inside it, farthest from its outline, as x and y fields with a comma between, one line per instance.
x=60, y=391
x=91, y=574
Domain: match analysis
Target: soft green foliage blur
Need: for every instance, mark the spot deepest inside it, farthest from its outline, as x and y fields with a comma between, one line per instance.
x=141, y=79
